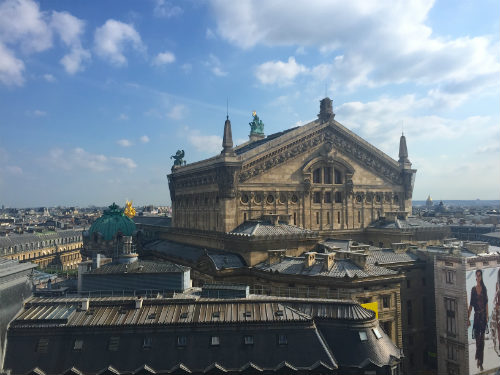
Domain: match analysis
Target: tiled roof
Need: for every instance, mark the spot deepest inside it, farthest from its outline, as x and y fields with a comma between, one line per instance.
x=340, y=268
x=258, y=228
x=140, y=266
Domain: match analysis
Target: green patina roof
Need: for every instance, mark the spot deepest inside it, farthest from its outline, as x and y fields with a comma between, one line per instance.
x=111, y=222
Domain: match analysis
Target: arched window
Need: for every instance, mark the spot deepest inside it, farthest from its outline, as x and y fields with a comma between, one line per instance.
x=327, y=175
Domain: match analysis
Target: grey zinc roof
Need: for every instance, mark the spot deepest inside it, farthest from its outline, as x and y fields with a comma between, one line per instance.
x=340, y=268
x=191, y=254
x=140, y=266
x=156, y=312
x=409, y=223
x=386, y=256
x=161, y=221
x=259, y=228
x=16, y=239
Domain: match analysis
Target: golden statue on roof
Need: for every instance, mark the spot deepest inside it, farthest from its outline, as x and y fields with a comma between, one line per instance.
x=129, y=210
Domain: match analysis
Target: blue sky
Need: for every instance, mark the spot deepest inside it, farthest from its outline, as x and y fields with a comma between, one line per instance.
x=95, y=98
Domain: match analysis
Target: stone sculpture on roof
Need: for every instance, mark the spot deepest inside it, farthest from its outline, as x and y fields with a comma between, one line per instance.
x=178, y=158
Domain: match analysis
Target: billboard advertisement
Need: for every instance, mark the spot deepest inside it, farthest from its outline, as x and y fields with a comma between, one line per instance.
x=483, y=308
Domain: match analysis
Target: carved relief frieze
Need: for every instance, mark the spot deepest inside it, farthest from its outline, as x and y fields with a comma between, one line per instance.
x=330, y=138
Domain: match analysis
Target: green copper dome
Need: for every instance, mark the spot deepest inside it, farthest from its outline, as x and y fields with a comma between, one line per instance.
x=111, y=222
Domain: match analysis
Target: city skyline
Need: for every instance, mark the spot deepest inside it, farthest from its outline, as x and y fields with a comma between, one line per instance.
x=95, y=101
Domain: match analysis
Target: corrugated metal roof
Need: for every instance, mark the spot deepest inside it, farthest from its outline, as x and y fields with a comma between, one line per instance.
x=116, y=314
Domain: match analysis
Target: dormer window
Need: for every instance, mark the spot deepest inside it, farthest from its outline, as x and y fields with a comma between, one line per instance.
x=338, y=177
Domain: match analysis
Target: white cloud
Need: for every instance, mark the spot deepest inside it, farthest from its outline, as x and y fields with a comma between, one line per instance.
x=14, y=170
x=70, y=29
x=112, y=38
x=78, y=158
x=279, y=72
x=24, y=27
x=209, y=34
x=164, y=58
x=49, y=78
x=22, y=23
x=381, y=42
x=187, y=68
x=210, y=144
x=215, y=66
x=177, y=112
x=125, y=162
x=144, y=139
x=166, y=9
x=124, y=142
x=123, y=117
x=381, y=121
x=11, y=68
x=39, y=113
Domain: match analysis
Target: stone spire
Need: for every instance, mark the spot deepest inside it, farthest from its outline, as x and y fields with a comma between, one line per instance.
x=403, y=152
x=326, y=110
x=227, y=141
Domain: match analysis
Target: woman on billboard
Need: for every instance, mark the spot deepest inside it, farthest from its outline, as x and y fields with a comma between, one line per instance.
x=479, y=301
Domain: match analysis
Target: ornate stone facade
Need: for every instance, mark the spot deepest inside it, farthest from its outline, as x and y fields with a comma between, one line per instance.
x=323, y=176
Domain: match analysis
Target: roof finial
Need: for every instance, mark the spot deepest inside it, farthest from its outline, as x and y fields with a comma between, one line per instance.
x=227, y=108
x=227, y=141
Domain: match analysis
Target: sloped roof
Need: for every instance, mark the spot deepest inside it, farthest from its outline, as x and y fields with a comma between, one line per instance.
x=340, y=268
x=141, y=266
x=261, y=228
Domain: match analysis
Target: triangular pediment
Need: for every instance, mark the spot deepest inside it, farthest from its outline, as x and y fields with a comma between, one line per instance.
x=330, y=140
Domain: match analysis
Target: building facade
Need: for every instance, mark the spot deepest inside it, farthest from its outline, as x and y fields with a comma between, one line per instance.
x=321, y=175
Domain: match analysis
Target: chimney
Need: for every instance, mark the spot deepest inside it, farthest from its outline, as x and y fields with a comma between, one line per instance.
x=85, y=304
x=399, y=247
x=227, y=141
x=275, y=256
x=310, y=258
x=138, y=303
x=359, y=259
x=326, y=110
x=328, y=260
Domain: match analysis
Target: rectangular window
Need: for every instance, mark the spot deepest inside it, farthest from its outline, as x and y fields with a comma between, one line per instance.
x=450, y=277
x=78, y=345
x=452, y=352
x=317, y=217
x=181, y=341
x=328, y=217
x=328, y=197
x=338, y=197
x=376, y=333
x=214, y=340
x=338, y=177
x=386, y=302
x=147, y=342
x=327, y=175
x=114, y=343
x=42, y=345
x=317, y=176
x=363, y=336
x=409, y=313
x=359, y=216
x=282, y=339
x=295, y=218
x=338, y=217
x=317, y=197
x=451, y=316
x=248, y=340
